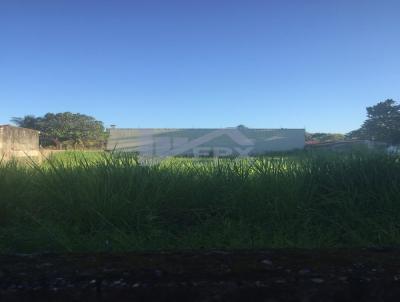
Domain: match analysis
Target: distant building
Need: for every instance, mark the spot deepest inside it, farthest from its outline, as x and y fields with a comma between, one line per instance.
x=18, y=142
x=239, y=141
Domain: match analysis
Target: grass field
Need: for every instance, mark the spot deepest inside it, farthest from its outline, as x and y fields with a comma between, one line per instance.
x=104, y=202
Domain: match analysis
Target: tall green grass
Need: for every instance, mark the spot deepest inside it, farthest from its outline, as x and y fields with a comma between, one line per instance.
x=113, y=202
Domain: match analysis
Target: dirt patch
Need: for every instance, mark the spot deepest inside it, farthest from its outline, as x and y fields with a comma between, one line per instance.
x=271, y=275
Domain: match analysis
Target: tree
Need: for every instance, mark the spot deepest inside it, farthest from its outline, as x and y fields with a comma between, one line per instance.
x=65, y=128
x=28, y=121
x=382, y=123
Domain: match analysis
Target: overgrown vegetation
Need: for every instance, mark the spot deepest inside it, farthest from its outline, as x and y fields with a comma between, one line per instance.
x=103, y=202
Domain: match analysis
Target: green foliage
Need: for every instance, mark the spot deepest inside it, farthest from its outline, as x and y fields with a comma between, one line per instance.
x=66, y=128
x=28, y=121
x=382, y=124
x=324, y=137
x=101, y=202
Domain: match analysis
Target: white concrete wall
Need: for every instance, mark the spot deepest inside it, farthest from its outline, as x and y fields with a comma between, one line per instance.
x=18, y=142
x=198, y=142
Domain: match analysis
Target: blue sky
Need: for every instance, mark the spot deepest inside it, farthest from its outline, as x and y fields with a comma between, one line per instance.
x=209, y=63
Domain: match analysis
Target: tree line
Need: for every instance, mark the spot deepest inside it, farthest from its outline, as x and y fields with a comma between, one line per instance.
x=66, y=129
x=381, y=125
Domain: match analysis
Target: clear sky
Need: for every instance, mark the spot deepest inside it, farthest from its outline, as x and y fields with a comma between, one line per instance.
x=204, y=63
